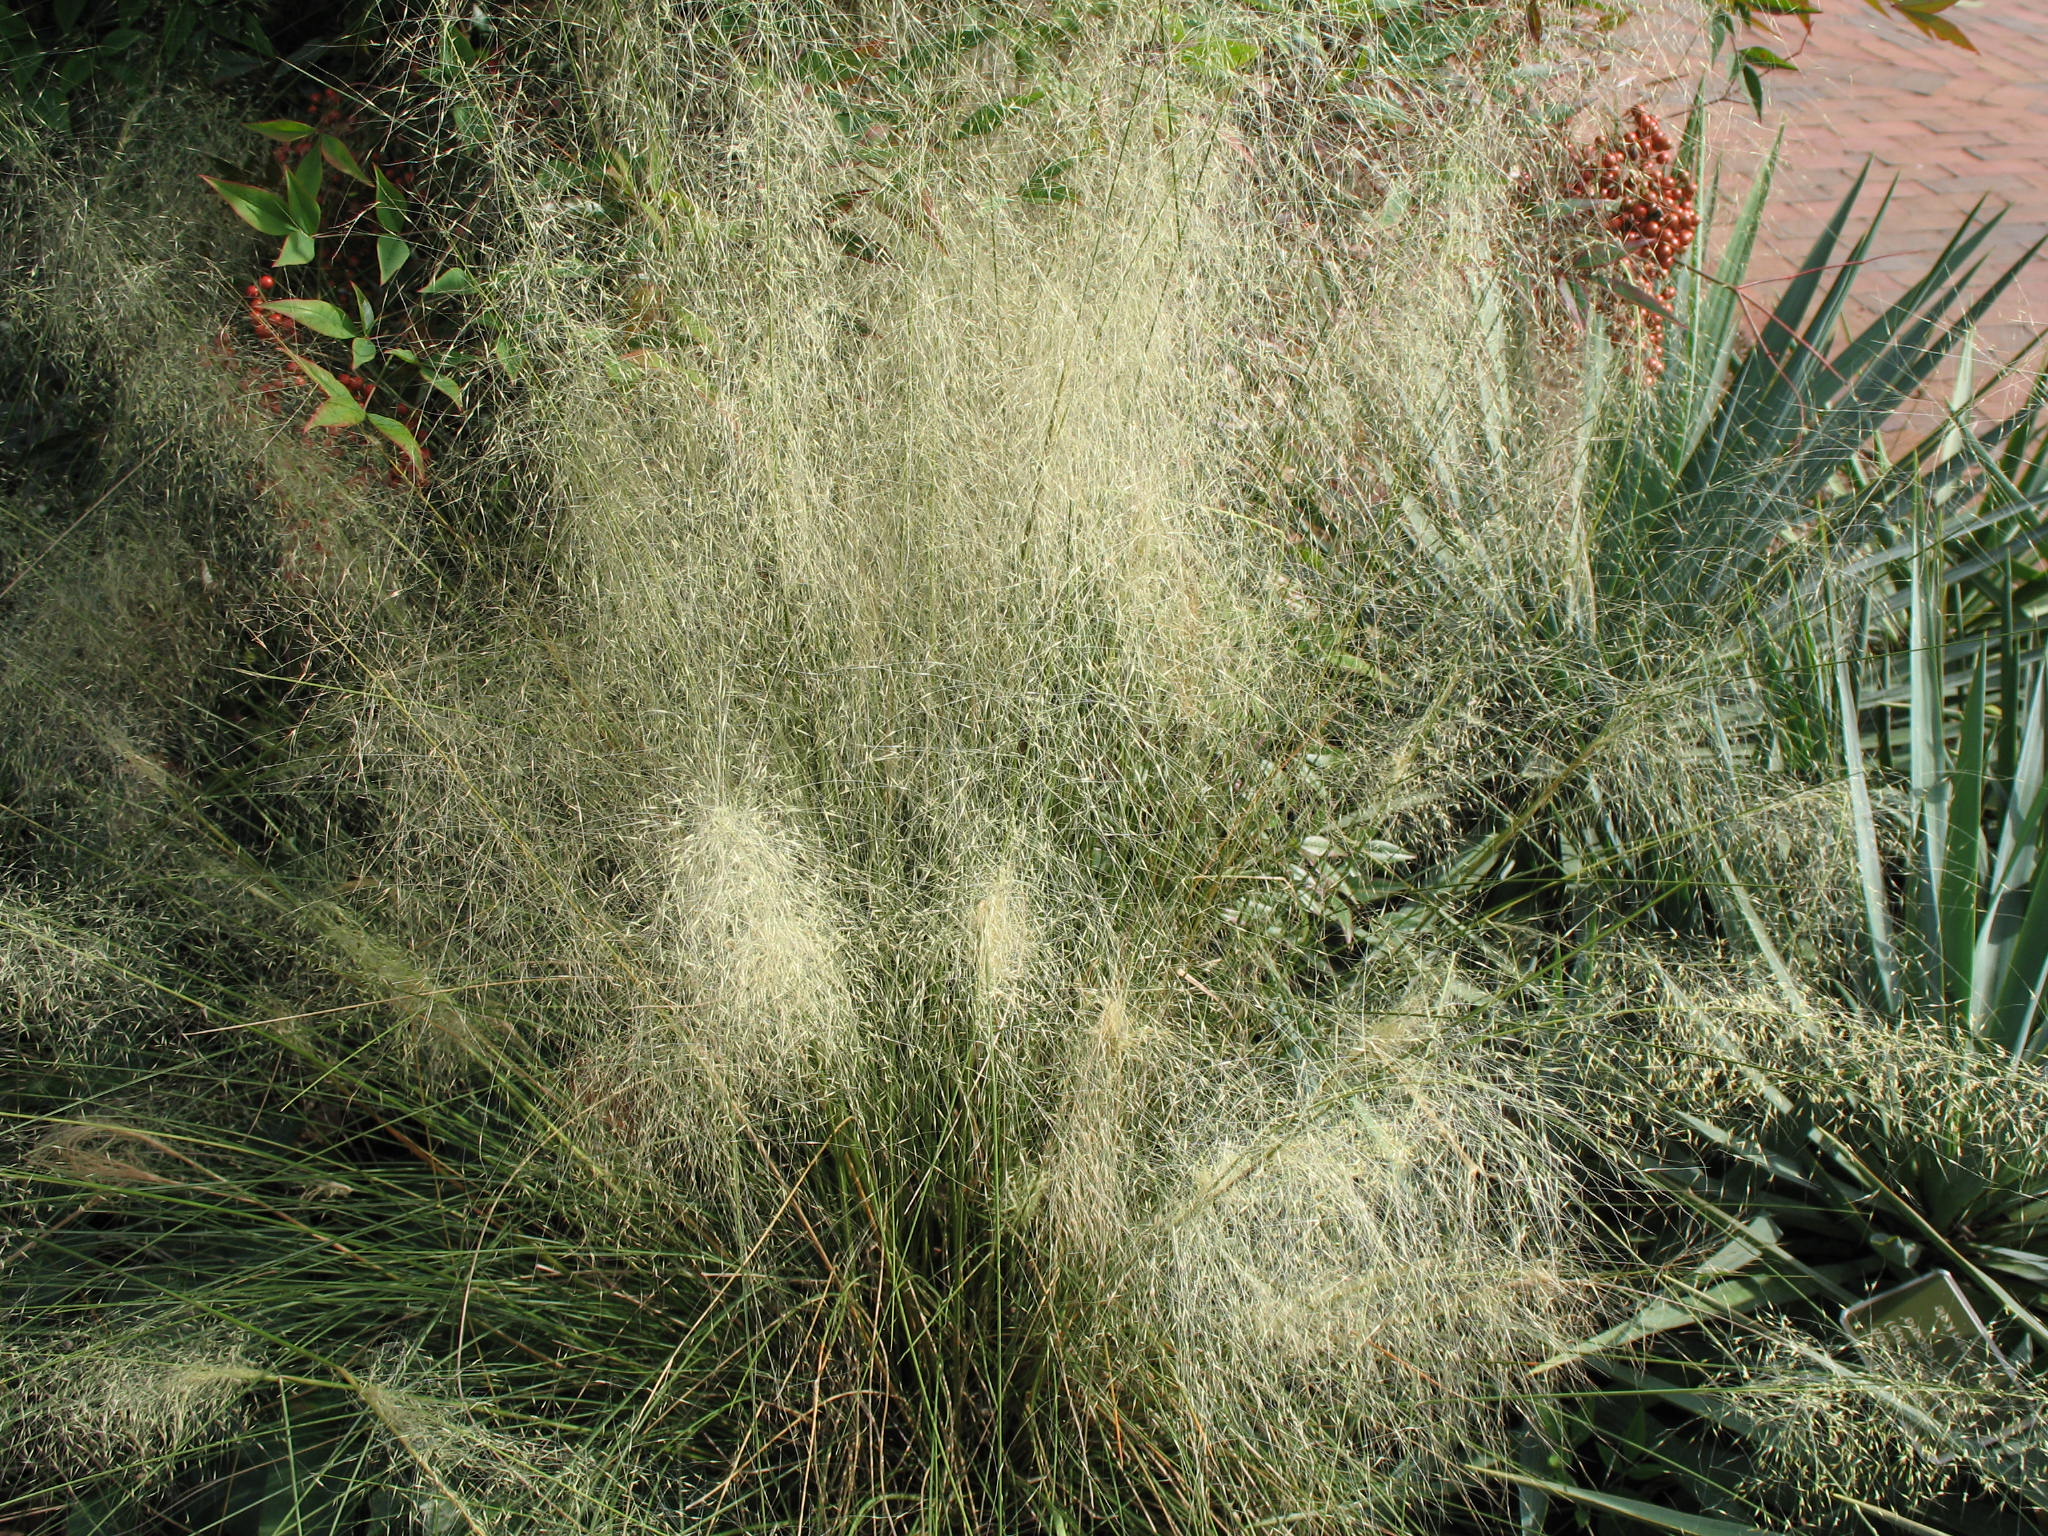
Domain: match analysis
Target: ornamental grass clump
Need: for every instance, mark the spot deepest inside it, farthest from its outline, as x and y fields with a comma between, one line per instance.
x=696, y=945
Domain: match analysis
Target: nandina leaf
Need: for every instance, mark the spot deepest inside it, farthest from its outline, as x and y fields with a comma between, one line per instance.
x=991, y=117
x=398, y=432
x=392, y=254
x=1939, y=27
x=1219, y=55
x=260, y=210
x=316, y=315
x=1753, y=83
x=338, y=155
x=454, y=280
x=284, y=129
x=390, y=204
x=1045, y=185
x=696, y=329
x=302, y=193
x=330, y=386
x=337, y=413
x=441, y=382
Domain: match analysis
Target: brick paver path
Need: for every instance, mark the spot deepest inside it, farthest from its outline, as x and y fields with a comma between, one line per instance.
x=1951, y=125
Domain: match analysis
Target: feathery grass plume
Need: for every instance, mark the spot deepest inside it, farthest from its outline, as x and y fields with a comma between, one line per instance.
x=1004, y=938
x=1891, y=1428
x=759, y=937
x=761, y=1018
x=134, y=1400
x=806, y=787
x=1091, y=1182
x=467, y=1475
x=1356, y=1282
x=79, y=974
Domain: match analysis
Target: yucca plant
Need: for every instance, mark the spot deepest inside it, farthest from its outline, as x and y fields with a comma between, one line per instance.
x=1753, y=523
x=1717, y=500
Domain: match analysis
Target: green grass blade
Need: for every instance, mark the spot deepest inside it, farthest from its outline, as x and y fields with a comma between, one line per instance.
x=1656, y=1515
x=1869, y=861
x=1928, y=764
x=2014, y=866
x=1962, y=863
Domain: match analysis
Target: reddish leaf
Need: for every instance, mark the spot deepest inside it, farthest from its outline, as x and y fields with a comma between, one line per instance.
x=337, y=413
x=338, y=155
x=402, y=436
x=1938, y=27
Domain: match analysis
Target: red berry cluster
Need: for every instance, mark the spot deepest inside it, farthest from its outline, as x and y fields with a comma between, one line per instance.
x=1653, y=210
x=281, y=331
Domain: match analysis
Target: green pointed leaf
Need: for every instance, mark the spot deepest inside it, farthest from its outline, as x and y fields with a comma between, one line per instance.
x=362, y=350
x=1045, y=186
x=328, y=384
x=390, y=205
x=316, y=315
x=1764, y=58
x=991, y=117
x=262, y=211
x=696, y=329
x=337, y=413
x=1217, y=56
x=1753, y=86
x=338, y=155
x=454, y=280
x=283, y=129
x=442, y=383
x=298, y=249
x=392, y=255
x=302, y=194
x=398, y=433
x=1937, y=27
